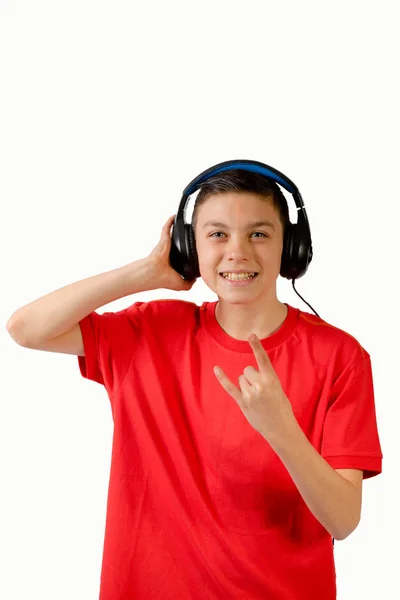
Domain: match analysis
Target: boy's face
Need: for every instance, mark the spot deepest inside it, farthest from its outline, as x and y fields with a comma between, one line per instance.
x=239, y=245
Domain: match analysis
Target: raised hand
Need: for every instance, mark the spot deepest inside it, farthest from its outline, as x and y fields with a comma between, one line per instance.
x=261, y=397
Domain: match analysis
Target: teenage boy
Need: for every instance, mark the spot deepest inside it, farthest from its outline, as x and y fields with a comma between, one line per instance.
x=243, y=428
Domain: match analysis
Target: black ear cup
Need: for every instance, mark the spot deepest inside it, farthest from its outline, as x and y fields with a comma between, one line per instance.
x=287, y=251
x=193, y=257
x=183, y=255
x=296, y=252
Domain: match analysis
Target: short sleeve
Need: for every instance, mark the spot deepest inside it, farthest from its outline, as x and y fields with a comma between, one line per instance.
x=350, y=435
x=109, y=342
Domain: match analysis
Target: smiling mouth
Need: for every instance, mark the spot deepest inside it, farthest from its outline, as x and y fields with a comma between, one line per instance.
x=254, y=276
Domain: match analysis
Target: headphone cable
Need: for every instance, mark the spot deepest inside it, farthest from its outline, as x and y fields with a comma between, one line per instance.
x=305, y=302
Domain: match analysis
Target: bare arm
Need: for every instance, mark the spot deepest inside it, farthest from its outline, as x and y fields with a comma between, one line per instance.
x=52, y=322
x=56, y=313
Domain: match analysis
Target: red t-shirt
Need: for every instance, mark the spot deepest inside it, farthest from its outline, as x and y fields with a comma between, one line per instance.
x=199, y=506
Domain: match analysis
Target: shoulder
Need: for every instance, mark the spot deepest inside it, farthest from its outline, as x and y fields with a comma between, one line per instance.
x=330, y=340
x=164, y=306
x=161, y=312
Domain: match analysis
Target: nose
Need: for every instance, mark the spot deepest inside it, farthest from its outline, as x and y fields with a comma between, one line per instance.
x=238, y=248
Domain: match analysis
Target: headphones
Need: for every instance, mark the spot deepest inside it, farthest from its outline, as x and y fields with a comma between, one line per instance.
x=297, y=248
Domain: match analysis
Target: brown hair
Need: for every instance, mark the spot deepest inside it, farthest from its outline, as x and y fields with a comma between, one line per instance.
x=239, y=180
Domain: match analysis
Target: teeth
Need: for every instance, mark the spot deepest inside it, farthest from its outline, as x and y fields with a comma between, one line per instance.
x=238, y=276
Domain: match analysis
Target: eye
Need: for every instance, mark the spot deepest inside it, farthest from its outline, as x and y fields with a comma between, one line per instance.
x=259, y=232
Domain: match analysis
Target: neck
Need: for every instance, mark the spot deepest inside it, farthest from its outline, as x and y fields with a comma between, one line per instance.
x=240, y=320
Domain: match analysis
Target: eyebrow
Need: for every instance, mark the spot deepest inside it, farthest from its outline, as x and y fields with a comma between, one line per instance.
x=249, y=225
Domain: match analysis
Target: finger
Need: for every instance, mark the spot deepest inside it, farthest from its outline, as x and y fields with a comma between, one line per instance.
x=244, y=383
x=251, y=374
x=261, y=355
x=169, y=223
x=227, y=384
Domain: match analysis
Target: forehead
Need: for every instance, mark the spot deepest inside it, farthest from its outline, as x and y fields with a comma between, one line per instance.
x=228, y=206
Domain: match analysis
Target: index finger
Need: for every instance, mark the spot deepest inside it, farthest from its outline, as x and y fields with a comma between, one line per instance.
x=261, y=355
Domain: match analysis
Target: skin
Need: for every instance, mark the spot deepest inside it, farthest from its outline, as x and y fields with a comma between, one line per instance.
x=241, y=311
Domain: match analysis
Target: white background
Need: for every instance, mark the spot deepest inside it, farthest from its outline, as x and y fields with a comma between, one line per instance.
x=107, y=111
